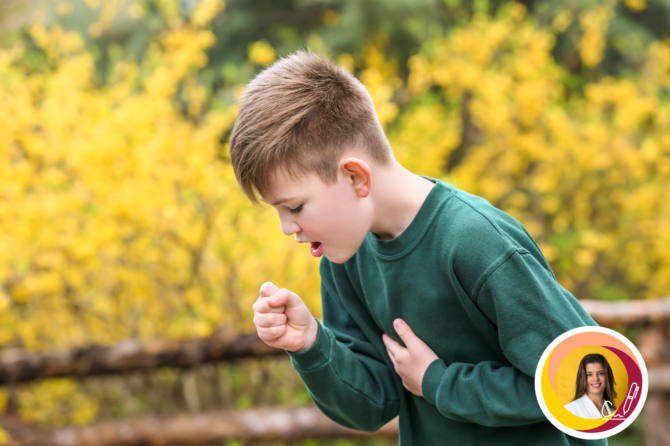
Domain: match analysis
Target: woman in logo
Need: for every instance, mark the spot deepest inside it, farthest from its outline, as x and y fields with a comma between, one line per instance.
x=594, y=389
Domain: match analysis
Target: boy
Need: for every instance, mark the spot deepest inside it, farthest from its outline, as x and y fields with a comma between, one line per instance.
x=436, y=305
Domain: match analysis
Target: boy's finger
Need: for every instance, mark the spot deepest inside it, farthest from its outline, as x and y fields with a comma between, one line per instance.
x=284, y=297
x=403, y=330
x=271, y=333
x=392, y=356
x=388, y=343
x=269, y=320
x=262, y=306
x=395, y=363
x=395, y=366
x=268, y=289
x=263, y=302
x=385, y=340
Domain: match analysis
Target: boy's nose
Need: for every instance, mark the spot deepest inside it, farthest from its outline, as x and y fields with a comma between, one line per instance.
x=289, y=227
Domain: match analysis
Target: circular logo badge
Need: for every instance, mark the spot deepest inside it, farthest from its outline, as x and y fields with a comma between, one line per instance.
x=591, y=382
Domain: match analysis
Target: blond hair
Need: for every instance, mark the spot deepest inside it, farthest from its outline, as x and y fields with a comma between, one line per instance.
x=300, y=115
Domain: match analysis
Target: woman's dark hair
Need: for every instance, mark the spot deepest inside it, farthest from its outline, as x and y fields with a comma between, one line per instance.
x=581, y=384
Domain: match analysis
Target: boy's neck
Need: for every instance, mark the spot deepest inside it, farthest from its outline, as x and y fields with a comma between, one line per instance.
x=397, y=197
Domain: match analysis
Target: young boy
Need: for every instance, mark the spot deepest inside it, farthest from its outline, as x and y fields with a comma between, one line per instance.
x=436, y=305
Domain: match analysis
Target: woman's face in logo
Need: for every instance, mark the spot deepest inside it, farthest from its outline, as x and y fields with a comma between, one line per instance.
x=595, y=379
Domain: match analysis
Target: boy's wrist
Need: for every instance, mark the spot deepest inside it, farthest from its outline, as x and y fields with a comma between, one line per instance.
x=317, y=354
x=431, y=380
x=312, y=334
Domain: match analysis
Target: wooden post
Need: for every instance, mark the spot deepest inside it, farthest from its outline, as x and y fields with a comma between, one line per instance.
x=654, y=346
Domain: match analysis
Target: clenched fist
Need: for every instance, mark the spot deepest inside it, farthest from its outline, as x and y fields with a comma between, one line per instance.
x=283, y=320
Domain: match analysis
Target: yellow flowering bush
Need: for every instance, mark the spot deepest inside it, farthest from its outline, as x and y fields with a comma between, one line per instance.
x=588, y=174
x=594, y=25
x=120, y=215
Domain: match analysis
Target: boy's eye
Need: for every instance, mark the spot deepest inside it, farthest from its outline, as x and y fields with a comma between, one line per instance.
x=296, y=210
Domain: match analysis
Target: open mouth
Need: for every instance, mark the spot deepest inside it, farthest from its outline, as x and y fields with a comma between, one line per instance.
x=316, y=249
x=596, y=385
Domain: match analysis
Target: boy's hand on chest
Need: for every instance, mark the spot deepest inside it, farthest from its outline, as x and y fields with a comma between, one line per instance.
x=410, y=363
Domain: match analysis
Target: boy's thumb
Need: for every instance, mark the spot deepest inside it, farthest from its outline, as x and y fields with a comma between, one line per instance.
x=268, y=289
x=402, y=329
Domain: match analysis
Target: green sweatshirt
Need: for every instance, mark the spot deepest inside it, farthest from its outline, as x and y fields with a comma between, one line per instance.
x=474, y=286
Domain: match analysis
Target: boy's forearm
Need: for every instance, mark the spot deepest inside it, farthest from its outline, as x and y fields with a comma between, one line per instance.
x=486, y=393
x=338, y=380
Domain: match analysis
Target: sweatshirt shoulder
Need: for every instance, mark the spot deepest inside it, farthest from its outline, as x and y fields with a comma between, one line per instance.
x=482, y=236
x=476, y=223
x=474, y=218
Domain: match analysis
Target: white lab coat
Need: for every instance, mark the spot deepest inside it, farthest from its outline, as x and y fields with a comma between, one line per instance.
x=585, y=408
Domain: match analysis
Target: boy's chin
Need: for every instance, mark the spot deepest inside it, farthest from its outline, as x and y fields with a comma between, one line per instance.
x=337, y=258
x=343, y=254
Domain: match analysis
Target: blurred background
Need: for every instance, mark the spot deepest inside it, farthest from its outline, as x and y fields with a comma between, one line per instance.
x=121, y=222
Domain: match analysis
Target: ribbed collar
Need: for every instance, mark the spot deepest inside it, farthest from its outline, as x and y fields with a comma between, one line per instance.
x=412, y=235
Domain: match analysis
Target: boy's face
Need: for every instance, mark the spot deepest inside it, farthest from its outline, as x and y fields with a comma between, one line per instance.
x=333, y=215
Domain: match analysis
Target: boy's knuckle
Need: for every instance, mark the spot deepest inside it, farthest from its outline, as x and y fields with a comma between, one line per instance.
x=265, y=322
x=267, y=333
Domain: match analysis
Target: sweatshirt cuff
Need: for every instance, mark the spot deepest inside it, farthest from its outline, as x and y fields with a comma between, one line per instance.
x=316, y=355
x=431, y=380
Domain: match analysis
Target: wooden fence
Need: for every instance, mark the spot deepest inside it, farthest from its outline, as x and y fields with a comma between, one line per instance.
x=650, y=318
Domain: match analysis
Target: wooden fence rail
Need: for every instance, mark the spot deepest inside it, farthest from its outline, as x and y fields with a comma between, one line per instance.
x=254, y=425
x=628, y=312
x=20, y=366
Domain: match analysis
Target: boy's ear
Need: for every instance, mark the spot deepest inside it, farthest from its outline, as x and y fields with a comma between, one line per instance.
x=358, y=174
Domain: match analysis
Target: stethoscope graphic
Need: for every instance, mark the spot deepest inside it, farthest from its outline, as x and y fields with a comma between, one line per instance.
x=632, y=394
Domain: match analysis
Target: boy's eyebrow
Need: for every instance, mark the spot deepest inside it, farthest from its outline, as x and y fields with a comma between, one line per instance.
x=281, y=200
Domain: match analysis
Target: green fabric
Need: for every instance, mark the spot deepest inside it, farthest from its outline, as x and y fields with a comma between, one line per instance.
x=474, y=286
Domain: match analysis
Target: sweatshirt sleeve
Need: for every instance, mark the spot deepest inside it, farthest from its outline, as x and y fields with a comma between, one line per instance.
x=530, y=309
x=345, y=376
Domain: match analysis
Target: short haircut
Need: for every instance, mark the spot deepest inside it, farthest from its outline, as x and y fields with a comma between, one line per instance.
x=300, y=115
